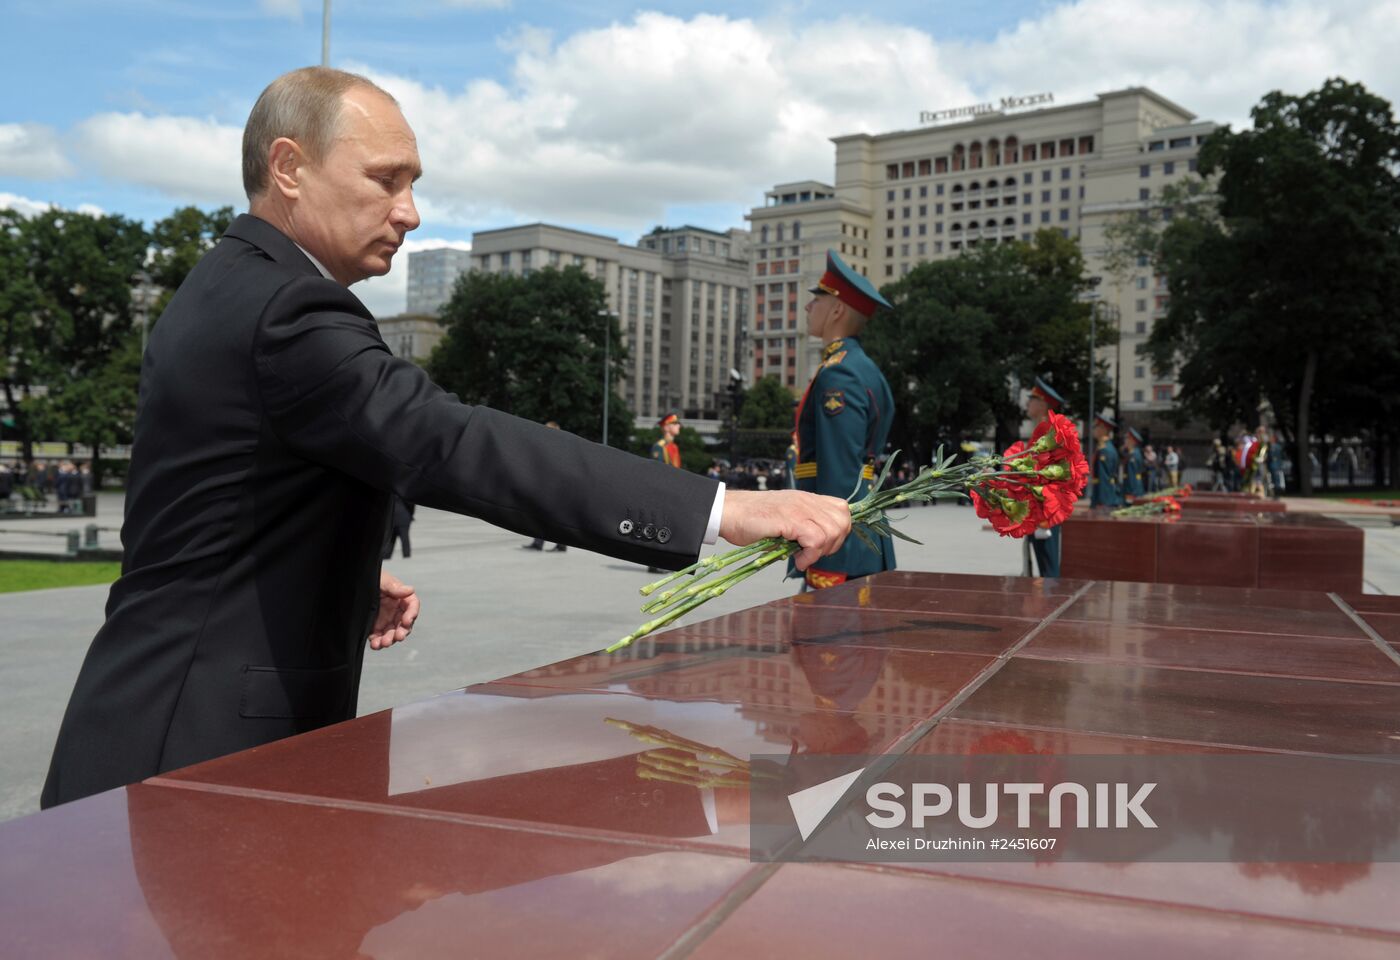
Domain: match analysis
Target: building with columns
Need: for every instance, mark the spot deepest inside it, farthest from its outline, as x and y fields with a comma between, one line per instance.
x=985, y=175
x=682, y=301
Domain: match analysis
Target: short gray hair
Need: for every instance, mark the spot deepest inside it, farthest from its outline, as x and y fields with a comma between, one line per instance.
x=304, y=105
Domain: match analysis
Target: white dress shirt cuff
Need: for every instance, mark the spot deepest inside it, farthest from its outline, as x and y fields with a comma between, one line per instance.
x=716, y=511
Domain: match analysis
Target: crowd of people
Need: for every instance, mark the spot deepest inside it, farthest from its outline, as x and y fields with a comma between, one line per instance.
x=64, y=481
x=1253, y=463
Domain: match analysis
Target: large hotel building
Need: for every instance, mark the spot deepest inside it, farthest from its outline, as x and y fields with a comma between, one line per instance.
x=900, y=199
x=694, y=303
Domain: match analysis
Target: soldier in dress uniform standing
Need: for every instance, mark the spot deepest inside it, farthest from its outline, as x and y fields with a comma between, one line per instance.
x=1134, y=466
x=844, y=416
x=1103, y=485
x=1046, y=541
x=665, y=449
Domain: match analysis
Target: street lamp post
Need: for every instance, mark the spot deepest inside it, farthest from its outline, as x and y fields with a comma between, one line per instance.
x=607, y=316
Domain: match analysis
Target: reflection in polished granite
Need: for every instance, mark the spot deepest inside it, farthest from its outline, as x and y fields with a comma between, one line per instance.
x=170, y=872
x=527, y=817
x=547, y=756
x=819, y=910
x=1271, y=713
x=1334, y=658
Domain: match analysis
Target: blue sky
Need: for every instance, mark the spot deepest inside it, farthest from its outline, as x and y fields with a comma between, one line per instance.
x=610, y=116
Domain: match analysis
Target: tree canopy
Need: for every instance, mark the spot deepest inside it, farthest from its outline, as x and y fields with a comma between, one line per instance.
x=533, y=346
x=1284, y=283
x=767, y=405
x=966, y=334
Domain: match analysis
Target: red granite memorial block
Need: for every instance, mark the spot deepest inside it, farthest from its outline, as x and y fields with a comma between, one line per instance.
x=1209, y=549
x=524, y=818
x=1270, y=550
x=1230, y=503
x=1095, y=546
x=1310, y=552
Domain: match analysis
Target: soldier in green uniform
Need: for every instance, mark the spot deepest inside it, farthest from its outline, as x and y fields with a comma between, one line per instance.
x=844, y=416
x=1134, y=466
x=1103, y=485
x=1046, y=542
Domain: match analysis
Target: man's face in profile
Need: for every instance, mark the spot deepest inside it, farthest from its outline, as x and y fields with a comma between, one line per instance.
x=356, y=205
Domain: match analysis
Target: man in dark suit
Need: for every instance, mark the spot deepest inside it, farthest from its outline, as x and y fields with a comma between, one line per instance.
x=273, y=425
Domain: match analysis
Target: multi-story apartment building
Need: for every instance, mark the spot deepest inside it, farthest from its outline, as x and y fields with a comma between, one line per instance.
x=904, y=198
x=431, y=274
x=681, y=296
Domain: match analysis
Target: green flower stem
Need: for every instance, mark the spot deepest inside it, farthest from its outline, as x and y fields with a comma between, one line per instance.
x=710, y=564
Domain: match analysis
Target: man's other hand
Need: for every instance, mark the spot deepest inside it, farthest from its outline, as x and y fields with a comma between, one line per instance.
x=819, y=524
x=398, y=608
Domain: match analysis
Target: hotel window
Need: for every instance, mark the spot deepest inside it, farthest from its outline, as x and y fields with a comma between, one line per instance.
x=925, y=167
x=1161, y=394
x=891, y=171
x=1046, y=175
x=1145, y=170
x=1139, y=372
x=923, y=229
x=923, y=209
x=1142, y=283
x=889, y=233
x=1045, y=216
x=923, y=191
x=1064, y=172
x=938, y=245
x=889, y=214
x=1141, y=306
x=908, y=192
x=889, y=270
x=906, y=230
x=1027, y=177
x=889, y=252
x=904, y=249
x=1137, y=396
x=1156, y=145
x=1169, y=167
x=1027, y=198
x=1140, y=326
x=908, y=169
x=938, y=227
x=1064, y=194
x=1045, y=196
x=938, y=209
x=1191, y=164
x=938, y=189
x=1064, y=214
x=1026, y=218
x=889, y=196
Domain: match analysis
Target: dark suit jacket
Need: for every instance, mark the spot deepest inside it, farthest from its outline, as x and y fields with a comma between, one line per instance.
x=272, y=426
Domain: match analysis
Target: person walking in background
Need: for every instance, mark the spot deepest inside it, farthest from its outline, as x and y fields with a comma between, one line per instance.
x=401, y=519
x=1152, y=469
x=1172, y=460
x=1274, y=460
x=1219, y=467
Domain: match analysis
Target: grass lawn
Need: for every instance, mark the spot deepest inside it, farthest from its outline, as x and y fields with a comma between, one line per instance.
x=17, y=575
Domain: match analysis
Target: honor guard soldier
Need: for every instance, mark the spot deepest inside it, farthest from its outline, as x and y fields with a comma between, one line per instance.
x=665, y=449
x=1104, y=483
x=1134, y=467
x=844, y=416
x=1046, y=541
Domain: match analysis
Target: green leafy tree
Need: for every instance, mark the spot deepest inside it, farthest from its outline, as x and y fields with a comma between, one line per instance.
x=177, y=244
x=695, y=456
x=1288, y=295
x=967, y=333
x=767, y=405
x=71, y=320
x=533, y=346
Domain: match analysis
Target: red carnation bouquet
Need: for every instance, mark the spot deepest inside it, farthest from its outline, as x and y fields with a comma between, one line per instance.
x=1163, y=501
x=1028, y=486
x=1033, y=485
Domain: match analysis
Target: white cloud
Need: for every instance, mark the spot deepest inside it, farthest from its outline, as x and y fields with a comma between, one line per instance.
x=388, y=295
x=611, y=126
x=31, y=150
x=288, y=9
x=27, y=207
x=187, y=158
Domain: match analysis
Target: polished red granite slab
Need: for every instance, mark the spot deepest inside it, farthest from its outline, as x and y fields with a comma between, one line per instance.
x=525, y=817
x=161, y=871
x=1268, y=550
x=1230, y=503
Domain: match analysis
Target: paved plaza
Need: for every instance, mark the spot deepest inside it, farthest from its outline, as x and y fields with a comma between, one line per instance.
x=490, y=609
